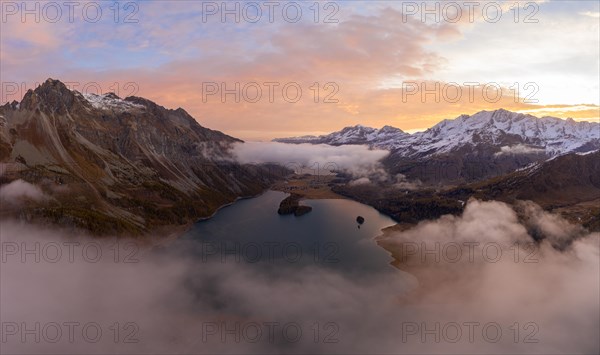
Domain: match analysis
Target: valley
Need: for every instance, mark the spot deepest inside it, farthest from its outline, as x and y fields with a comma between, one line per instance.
x=299, y=177
x=129, y=167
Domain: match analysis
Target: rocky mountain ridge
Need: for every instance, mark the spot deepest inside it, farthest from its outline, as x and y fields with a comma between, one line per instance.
x=112, y=165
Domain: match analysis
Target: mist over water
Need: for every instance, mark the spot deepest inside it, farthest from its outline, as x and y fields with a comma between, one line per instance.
x=192, y=297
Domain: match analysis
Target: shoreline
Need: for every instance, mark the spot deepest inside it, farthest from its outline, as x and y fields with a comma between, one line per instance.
x=180, y=230
x=378, y=239
x=382, y=241
x=240, y=198
x=309, y=187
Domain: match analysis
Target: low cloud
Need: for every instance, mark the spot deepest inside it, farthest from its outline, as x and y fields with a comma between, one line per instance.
x=360, y=181
x=490, y=266
x=593, y=14
x=19, y=190
x=358, y=160
x=163, y=300
x=402, y=182
x=519, y=149
x=170, y=295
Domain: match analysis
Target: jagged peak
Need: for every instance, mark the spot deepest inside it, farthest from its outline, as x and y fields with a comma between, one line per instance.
x=53, y=95
x=499, y=115
x=360, y=127
x=182, y=112
x=351, y=128
x=112, y=95
x=142, y=101
x=356, y=127
x=388, y=128
x=52, y=85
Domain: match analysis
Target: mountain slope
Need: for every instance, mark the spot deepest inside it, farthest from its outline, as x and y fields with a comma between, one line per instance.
x=471, y=148
x=568, y=184
x=118, y=166
x=562, y=181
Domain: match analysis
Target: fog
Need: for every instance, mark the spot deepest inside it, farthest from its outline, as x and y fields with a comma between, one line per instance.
x=397, y=181
x=358, y=160
x=167, y=301
x=18, y=190
x=519, y=149
x=507, y=277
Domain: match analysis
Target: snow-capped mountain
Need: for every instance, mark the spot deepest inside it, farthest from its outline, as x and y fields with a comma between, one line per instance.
x=515, y=132
x=485, y=144
x=385, y=137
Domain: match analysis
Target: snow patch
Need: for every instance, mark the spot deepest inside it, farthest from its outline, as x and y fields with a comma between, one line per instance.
x=109, y=101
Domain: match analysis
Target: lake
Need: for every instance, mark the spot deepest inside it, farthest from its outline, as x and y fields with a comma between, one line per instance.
x=251, y=231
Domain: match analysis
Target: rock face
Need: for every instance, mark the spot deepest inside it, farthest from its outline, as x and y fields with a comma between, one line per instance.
x=291, y=205
x=117, y=166
x=470, y=148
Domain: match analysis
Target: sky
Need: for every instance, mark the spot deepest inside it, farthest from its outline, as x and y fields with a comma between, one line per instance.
x=260, y=70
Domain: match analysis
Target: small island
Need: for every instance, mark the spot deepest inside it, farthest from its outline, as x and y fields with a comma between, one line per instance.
x=291, y=205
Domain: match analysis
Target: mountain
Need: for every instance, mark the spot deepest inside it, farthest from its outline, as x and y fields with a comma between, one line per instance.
x=384, y=138
x=470, y=148
x=565, y=180
x=116, y=166
x=517, y=132
x=568, y=184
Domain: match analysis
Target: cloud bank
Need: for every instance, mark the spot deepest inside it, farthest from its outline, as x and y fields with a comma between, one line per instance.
x=506, y=276
x=168, y=301
x=357, y=160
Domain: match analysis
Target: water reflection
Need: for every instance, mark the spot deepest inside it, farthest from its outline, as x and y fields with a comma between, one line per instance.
x=251, y=232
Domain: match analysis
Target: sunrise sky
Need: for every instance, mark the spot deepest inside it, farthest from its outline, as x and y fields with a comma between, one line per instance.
x=375, y=56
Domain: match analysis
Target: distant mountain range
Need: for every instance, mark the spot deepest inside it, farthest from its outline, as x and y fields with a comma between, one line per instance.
x=384, y=138
x=112, y=165
x=470, y=148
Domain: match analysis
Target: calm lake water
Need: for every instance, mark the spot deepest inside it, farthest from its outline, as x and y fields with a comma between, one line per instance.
x=250, y=231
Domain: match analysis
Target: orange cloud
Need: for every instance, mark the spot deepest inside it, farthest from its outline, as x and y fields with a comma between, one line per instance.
x=343, y=67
